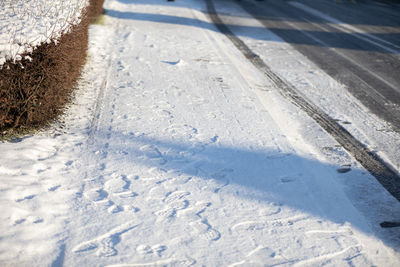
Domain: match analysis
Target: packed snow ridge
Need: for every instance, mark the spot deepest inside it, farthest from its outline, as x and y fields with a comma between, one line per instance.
x=25, y=24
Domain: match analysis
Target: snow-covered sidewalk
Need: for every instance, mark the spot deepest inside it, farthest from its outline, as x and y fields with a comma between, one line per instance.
x=173, y=156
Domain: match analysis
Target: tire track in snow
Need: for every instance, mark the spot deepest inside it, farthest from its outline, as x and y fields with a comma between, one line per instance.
x=385, y=175
x=94, y=124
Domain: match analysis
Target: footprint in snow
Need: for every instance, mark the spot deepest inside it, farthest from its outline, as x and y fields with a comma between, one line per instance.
x=344, y=168
x=214, y=139
x=222, y=173
x=172, y=197
x=96, y=195
x=42, y=151
x=29, y=219
x=117, y=184
x=287, y=179
x=114, y=208
x=182, y=130
x=249, y=226
x=179, y=62
x=167, y=213
x=25, y=198
x=37, y=220
x=146, y=249
x=179, y=205
x=205, y=231
x=104, y=246
x=271, y=209
x=175, y=201
x=54, y=188
x=221, y=178
x=151, y=152
x=259, y=256
x=19, y=221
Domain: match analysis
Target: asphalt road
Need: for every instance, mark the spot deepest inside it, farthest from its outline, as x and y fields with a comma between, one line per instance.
x=369, y=65
x=355, y=42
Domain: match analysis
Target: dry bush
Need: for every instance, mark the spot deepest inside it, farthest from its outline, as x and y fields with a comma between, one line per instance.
x=96, y=9
x=33, y=92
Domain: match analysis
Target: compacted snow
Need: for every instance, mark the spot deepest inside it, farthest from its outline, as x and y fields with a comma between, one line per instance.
x=177, y=152
x=25, y=24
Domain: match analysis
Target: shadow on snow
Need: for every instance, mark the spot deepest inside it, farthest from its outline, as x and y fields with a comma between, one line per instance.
x=265, y=176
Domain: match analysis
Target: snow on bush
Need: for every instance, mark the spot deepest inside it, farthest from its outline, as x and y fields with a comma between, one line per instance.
x=25, y=24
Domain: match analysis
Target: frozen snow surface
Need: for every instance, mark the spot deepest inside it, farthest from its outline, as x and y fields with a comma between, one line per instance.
x=177, y=152
x=25, y=24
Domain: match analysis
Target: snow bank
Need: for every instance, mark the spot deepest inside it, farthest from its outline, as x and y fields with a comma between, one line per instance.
x=25, y=24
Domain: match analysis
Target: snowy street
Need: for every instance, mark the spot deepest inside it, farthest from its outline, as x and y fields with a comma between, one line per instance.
x=178, y=151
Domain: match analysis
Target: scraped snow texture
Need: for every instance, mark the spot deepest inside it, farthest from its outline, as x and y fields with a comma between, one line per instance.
x=178, y=152
x=25, y=24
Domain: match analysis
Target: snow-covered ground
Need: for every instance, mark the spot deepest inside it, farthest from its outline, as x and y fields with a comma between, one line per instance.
x=25, y=24
x=178, y=152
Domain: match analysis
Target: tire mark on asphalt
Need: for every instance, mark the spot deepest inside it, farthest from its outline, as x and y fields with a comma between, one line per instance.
x=373, y=85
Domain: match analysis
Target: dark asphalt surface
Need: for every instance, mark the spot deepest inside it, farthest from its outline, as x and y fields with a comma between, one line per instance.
x=366, y=62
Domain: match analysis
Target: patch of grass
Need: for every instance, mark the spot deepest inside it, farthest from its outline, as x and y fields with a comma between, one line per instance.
x=17, y=135
x=100, y=20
